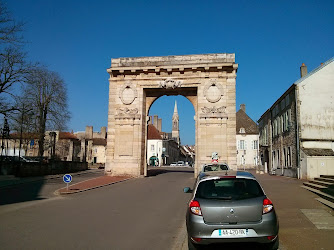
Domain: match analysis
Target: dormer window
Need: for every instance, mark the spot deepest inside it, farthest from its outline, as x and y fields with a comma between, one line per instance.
x=242, y=131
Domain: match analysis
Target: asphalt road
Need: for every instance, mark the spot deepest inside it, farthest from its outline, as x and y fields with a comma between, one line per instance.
x=143, y=213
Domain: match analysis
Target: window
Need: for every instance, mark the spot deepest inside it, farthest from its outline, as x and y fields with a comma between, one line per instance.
x=242, y=144
x=152, y=148
x=286, y=120
x=255, y=144
x=289, y=157
x=242, y=131
x=278, y=159
x=228, y=189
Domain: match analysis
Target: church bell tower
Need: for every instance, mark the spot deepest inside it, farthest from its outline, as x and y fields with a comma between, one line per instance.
x=175, y=127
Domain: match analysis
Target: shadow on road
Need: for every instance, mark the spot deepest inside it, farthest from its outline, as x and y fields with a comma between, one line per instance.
x=156, y=171
x=21, y=193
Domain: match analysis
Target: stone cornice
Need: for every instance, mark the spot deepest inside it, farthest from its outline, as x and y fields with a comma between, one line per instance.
x=174, y=68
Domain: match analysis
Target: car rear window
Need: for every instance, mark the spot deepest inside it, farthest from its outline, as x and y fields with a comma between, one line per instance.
x=229, y=189
x=215, y=167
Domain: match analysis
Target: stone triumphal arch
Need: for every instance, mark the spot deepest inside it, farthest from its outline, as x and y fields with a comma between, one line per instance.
x=207, y=80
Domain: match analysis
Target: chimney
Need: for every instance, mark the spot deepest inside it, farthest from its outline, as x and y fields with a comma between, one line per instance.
x=243, y=107
x=104, y=132
x=155, y=121
x=303, y=70
x=89, y=132
x=160, y=124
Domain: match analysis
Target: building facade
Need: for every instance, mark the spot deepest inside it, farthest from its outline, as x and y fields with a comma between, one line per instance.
x=247, y=136
x=297, y=131
x=59, y=145
x=93, y=145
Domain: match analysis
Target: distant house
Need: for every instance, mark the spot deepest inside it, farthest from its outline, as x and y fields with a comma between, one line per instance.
x=99, y=151
x=171, y=149
x=93, y=145
x=188, y=153
x=87, y=146
x=297, y=131
x=60, y=145
x=154, y=146
x=247, y=136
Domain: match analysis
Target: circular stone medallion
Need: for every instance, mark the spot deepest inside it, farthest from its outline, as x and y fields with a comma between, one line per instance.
x=213, y=92
x=128, y=94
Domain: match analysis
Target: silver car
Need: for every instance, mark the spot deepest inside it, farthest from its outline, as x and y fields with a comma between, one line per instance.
x=230, y=207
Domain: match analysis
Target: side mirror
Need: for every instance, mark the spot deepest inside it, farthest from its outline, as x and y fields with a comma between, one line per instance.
x=187, y=190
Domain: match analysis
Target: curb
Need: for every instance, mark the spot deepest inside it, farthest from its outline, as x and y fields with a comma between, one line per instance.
x=181, y=241
x=87, y=189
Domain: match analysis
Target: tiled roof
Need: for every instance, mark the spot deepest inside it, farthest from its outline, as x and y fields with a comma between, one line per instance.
x=153, y=133
x=318, y=151
x=66, y=135
x=24, y=136
x=100, y=141
x=244, y=121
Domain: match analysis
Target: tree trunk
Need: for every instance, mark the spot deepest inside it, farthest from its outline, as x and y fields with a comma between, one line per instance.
x=41, y=135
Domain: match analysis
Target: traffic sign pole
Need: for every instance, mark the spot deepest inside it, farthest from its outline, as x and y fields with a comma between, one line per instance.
x=67, y=178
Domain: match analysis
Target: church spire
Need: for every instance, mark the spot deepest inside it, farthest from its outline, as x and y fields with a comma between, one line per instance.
x=175, y=108
x=175, y=127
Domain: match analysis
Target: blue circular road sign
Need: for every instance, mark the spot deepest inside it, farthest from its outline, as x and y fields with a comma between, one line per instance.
x=67, y=178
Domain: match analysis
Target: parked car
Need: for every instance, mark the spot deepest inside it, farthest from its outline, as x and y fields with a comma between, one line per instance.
x=230, y=208
x=215, y=167
x=180, y=163
x=173, y=164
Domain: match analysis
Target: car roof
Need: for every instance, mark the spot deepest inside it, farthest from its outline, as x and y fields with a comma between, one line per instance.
x=226, y=173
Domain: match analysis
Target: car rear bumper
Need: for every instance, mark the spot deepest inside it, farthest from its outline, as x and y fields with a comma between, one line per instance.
x=268, y=226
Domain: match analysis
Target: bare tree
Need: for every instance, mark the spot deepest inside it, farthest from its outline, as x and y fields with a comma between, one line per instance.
x=46, y=93
x=9, y=28
x=13, y=66
x=22, y=119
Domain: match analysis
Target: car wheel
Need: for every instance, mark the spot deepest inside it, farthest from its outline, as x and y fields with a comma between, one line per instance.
x=192, y=245
x=273, y=245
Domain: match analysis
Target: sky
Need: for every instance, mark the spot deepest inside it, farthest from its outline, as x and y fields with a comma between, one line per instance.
x=270, y=39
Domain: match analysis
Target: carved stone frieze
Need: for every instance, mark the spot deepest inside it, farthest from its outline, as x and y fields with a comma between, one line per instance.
x=213, y=112
x=170, y=83
x=213, y=91
x=128, y=93
x=126, y=113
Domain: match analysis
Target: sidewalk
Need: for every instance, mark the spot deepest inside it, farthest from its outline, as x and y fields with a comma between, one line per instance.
x=92, y=184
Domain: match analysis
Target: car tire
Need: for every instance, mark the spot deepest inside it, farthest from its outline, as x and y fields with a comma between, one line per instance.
x=192, y=245
x=273, y=245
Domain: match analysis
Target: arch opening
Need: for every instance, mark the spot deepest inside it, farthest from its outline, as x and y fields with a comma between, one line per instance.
x=170, y=131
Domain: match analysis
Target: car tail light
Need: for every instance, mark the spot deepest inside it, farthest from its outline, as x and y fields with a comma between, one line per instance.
x=267, y=206
x=196, y=239
x=273, y=237
x=195, y=208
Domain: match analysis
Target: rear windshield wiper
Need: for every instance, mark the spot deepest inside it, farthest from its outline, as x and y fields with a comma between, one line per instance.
x=220, y=198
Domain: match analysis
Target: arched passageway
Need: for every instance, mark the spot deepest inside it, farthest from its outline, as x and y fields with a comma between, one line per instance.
x=207, y=81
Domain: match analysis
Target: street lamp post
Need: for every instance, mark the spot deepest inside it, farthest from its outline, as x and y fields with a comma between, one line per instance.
x=4, y=135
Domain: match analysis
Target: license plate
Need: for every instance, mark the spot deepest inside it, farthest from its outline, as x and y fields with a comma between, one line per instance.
x=229, y=233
